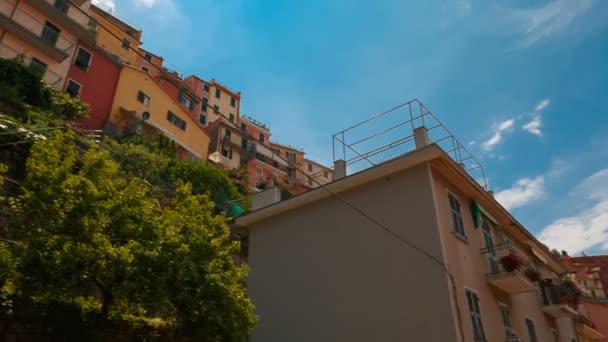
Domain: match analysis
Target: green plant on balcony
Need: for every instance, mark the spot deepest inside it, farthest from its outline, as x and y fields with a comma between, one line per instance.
x=511, y=262
x=569, y=293
x=532, y=274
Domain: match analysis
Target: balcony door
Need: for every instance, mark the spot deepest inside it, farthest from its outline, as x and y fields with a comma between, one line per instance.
x=489, y=245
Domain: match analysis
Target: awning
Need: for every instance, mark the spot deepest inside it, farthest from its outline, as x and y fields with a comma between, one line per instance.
x=478, y=213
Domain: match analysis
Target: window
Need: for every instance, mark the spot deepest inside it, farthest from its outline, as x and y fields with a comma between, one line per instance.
x=244, y=143
x=473, y=301
x=50, y=33
x=216, y=109
x=126, y=44
x=291, y=172
x=243, y=127
x=227, y=153
x=456, y=215
x=309, y=167
x=183, y=99
x=309, y=181
x=93, y=24
x=325, y=174
x=202, y=119
x=228, y=134
x=143, y=98
x=231, y=117
x=145, y=69
x=83, y=59
x=233, y=102
x=531, y=330
x=258, y=172
x=291, y=156
x=204, y=105
x=218, y=93
x=261, y=138
x=206, y=87
x=38, y=65
x=73, y=89
x=506, y=320
x=62, y=5
x=148, y=57
x=176, y=120
x=275, y=164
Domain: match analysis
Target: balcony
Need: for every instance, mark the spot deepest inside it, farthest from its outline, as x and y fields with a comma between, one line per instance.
x=71, y=19
x=30, y=30
x=511, y=281
x=51, y=78
x=554, y=305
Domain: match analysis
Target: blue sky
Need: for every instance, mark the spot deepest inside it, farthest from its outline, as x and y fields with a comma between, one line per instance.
x=522, y=83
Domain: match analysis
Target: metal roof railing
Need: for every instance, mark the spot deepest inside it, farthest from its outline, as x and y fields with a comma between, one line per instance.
x=394, y=136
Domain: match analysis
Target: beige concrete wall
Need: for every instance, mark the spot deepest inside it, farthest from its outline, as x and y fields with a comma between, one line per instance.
x=469, y=265
x=324, y=273
x=33, y=20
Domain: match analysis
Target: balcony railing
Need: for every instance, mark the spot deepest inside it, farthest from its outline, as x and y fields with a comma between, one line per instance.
x=555, y=304
x=51, y=78
x=508, y=279
x=31, y=30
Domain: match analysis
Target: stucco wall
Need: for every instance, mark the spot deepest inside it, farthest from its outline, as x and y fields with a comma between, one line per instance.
x=469, y=265
x=108, y=41
x=98, y=85
x=324, y=273
x=131, y=81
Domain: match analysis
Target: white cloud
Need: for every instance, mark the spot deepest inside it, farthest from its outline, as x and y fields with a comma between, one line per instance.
x=588, y=228
x=554, y=17
x=146, y=3
x=542, y=105
x=106, y=4
x=534, y=126
x=497, y=137
x=524, y=191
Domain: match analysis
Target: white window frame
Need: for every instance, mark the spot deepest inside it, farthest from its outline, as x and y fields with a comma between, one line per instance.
x=508, y=328
x=80, y=87
x=526, y=319
x=475, y=315
x=462, y=234
x=145, y=103
x=90, y=59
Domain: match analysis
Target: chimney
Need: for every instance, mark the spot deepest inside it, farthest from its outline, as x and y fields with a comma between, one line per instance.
x=339, y=169
x=421, y=137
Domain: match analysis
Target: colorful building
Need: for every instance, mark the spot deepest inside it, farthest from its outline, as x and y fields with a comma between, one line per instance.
x=316, y=174
x=591, y=272
x=93, y=75
x=222, y=100
x=429, y=261
x=117, y=36
x=149, y=62
x=45, y=33
x=596, y=310
x=142, y=106
x=295, y=179
x=587, y=278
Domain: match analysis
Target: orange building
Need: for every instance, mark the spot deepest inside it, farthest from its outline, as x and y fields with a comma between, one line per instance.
x=45, y=33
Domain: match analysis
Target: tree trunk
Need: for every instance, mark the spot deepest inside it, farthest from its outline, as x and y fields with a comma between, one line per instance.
x=108, y=297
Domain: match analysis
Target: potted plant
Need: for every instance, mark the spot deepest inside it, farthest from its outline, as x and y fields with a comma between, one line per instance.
x=511, y=262
x=532, y=274
x=569, y=293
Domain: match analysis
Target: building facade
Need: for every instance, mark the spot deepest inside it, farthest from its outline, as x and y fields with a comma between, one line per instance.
x=142, y=106
x=93, y=76
x=322, y=272
x=45, y=33
x=597, y=265
x=117, y=36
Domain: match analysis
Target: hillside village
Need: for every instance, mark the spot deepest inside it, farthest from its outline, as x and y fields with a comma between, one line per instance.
x=138, y=203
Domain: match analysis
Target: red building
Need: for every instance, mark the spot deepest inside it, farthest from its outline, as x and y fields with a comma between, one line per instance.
x=93, y=75
x=595, y=261
x=597, y=312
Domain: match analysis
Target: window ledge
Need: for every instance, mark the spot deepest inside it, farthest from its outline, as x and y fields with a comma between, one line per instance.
x=460, y=237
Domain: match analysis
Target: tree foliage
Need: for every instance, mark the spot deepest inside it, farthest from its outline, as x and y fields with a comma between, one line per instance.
x=91, y=230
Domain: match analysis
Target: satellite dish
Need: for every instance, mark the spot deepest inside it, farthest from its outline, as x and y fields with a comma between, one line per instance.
x=139, y=129
x=145, y=115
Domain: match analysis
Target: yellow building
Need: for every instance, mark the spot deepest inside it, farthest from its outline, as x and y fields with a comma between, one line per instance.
x=117, y=36
x=45, y=33
x=142, y=106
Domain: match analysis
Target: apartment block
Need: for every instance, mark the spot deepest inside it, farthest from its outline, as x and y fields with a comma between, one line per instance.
x=141, y=106
x=316, y=174
x=597, y=265
x=411, y=248
x=45, y=33
x=222, y=100
x=117, y=37
x=93, y=76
